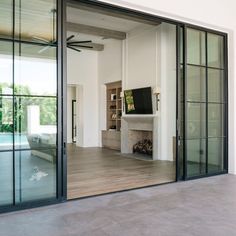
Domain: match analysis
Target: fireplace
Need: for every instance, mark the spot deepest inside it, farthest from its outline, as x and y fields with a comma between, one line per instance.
x=143, y=147
x=140, y=141
x=138, y=136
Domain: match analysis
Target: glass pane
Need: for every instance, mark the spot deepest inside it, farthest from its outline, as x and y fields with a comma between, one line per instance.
x=42, y=14
x=196, y=48
x=216, y=120
x=215, y=154
x=35, y=172
x=196, y=157
x=196, y=120
x=6, y=123
x=34, y=119
x=35, y=70
x=215, y=50
x=6, y=178
x=196, y=83
x=215, y=85
x=36, y=122
x=6, y=10
x=6, y=67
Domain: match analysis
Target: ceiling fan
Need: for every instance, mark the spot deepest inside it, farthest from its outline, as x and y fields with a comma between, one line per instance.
x=74, y=45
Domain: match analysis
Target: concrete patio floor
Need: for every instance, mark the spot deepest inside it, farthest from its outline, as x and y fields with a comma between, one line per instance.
x=200, y=207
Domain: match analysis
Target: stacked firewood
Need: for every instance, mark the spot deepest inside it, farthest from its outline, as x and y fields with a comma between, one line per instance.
x=144, y=147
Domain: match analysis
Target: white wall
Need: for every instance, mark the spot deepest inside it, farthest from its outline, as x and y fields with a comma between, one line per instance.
x=166, y=57
x=82, y=71
x=109, y=70
x=110, y=62
x=141, y=64
x=187, y=11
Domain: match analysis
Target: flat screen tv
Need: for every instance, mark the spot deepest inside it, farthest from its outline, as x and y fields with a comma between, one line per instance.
x=138, y=101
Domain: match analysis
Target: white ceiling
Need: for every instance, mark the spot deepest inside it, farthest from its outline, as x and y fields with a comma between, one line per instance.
x=75, y=15
x=100, y=20
x=34, y=18
x=93, y=38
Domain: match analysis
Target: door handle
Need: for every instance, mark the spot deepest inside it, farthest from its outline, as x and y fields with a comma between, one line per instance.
x=64, y=148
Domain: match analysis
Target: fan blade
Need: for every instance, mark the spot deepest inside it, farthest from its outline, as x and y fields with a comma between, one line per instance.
x=54, y=42
x=87, y=41
x=40, y=39
x=44, y=49
x=80, y=46
x=74, y=49
x=70, y=37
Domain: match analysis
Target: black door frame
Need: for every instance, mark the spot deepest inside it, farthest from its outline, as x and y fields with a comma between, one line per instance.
x=61, y=120
x=225, y=56
x=62, y=91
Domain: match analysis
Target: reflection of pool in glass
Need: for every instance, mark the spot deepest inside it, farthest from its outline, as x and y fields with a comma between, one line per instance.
x=29, y=184
x=7, y=140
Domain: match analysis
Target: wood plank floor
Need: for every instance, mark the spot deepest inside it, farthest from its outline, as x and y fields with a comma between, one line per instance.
x=93, y=171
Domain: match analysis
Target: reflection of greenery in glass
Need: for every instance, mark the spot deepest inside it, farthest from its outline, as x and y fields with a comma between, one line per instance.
x=20, y=89
x=47, y=107
x=6, y=115
x=129, y=100
x=4, y=85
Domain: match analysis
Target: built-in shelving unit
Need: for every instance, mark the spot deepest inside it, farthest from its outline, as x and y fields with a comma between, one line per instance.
x=111, y=136
x=114, y=106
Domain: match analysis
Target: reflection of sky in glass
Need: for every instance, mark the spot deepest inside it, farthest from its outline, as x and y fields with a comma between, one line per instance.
x=37, y=74
x=6, y=69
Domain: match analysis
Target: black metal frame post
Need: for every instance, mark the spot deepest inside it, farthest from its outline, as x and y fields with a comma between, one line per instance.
x=13, y=102
x=64, y=97
x=206, y=108
x=178, y=117
x=226, y=141
x=62, y=84
x=185, y=162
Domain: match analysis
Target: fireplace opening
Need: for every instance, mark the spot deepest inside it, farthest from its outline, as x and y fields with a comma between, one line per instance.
x=143, y=147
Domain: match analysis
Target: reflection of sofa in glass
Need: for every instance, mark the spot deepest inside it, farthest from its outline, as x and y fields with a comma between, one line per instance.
x=43, y=146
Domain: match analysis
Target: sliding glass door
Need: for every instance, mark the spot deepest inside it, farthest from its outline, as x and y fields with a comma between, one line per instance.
x=28, y=101
x=204, y=102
